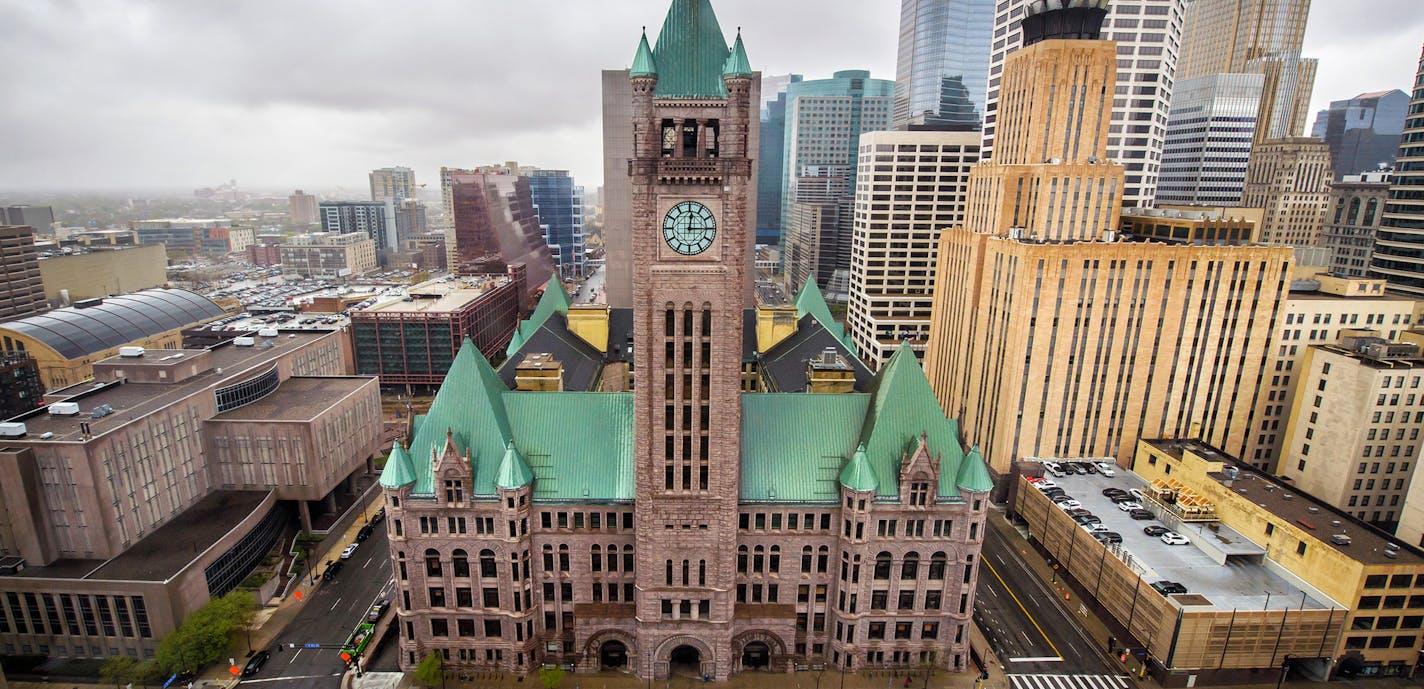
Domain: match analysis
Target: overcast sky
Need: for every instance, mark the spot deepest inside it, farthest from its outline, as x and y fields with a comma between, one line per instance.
x=132, y=94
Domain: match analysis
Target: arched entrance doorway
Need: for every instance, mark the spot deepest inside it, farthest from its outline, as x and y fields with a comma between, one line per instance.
x=685, y=660
x=613, y=655
x=756, y=656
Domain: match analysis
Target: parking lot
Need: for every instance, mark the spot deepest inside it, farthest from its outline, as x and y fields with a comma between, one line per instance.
x=1223, y=566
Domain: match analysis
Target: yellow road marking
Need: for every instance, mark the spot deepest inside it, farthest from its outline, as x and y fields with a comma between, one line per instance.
x=1021, y=607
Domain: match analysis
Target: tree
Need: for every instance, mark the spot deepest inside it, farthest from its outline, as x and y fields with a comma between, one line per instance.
x=431, y=670
x=551, y=676
x=117, y=669
x=205, y=636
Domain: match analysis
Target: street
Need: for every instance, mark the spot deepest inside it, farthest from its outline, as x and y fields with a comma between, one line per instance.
x=1026, y=628
x=592, y=290
x=330, y=614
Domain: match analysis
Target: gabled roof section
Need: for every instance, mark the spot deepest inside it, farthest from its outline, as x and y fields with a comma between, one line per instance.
x=858, y=474
x=794, y=445
x=809, y=301
x=399, y=472
x=470, y=404
x=643, y=63
x=902, y=408
x=582, y=363
x=737, y=63
x=973, y=474
x=513, y=472
x=554, y=300
x=593, y=464
x=691, y=52
x=784, y=365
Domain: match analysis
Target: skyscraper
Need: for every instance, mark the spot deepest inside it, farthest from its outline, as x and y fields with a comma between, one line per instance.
x=1254, y=37
x=559, y=203
x=1209, y=135
x=898, y=219
x=944, y=47
x=496, y=226
x=21, y=288
x=1051, y=338
x=1147, y=34
x=824, y=121
x=38, y=218
x=375, y=219
x=771, y=152
x=301, y=208
x=410, y=221
x=1290, y=180
x=394, y=184
x=1399, y=244
x=1363, y=132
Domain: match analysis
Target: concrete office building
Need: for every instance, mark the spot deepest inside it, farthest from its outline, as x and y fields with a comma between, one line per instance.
x=394, y=184
x=1104, y=345
x=66, y=342
x=1353, y=438
x=301, y=208
x=771, y=151
x=328, y=254
x=1357, y=570
x=1209, y=135
x=824, y=121
x=1147, y=34
x=1399, y=244
x=1363, y=132
x=179, y=473
x=1356, y=207
x=375, y=219
x=910, y=186
x=1318, y=311
x=1290, y=180
x=190, y=237
x=413, y=343
x=1254, y=37
x=39, y=218
x=559, y=205
x=410, y=221
x=101, y=272
x=21, y=285
x=944, y=47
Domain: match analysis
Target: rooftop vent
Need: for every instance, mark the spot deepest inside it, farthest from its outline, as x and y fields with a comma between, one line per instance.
x=1340, y=539
x=64, y=409
x=1334, y=522
x=130, y=352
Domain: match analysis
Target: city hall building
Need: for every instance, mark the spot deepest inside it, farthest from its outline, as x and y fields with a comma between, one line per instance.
x=690, y=486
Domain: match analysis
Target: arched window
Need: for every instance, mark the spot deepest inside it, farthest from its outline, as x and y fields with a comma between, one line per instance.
x=882, y=565
x=937, y=563
x=806, y=560
x=460, y=562
x=487, y=563
x=1353, y=215
x=910, y=568
x=823, y=559
x=701, y=572
x=686, y=572
x=1370, y=209
x=1339, y=210
x=432, y=562
x=548, y=558
x=742, y=559
x=667, y=575
x=563, y=557
x=774, y=561
x=612, y=557
x=595, y=560
x=758, y=560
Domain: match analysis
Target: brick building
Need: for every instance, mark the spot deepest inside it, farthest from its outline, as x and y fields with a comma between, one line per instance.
x=684, y=526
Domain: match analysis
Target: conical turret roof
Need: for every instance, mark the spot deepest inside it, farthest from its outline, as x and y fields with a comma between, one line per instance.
x=691, y=52
x=858, y=475
x=737, y=63
x=399, y=472
x=974, y=474
x=643, y=63
x=513, y=472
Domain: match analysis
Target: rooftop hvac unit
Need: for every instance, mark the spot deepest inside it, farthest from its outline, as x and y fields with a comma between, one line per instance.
x=243, y=342
x=12, y=430
x=130, y=351
x=1340, y=539
x=64, y=408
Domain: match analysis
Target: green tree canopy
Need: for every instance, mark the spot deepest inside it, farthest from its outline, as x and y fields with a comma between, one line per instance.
x=551, y=676
x=205, y=636
x=431, y=670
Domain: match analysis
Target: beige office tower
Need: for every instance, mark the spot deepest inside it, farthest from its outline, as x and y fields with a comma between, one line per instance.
x=1290, y=180
x=1254, y=37
x=617, y=188
x=1050, y=337
x=1318, y=311
x=447, y=207
x=910, y=185
x=1355, y=422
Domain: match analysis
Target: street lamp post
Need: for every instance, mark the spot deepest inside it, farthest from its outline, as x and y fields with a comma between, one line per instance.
x=1285, y=668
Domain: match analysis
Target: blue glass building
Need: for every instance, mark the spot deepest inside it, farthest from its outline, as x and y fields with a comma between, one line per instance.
x=771, y=157
x=944, y=53
x=559, y=203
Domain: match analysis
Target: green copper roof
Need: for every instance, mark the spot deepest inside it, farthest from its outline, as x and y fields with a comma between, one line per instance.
x=794, y=444
x=903, y=407
x=810, y=301
x=594, y=462
x=973, y=474
x=470, y=403
x=857, y=474
x=643, y=63
x=399, y=472
x=513, y=471
x=691, y=52
x=554, y=300
x=737, y=64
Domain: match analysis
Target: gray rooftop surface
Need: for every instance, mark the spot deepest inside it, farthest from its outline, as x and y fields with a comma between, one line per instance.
x=298, y=399
x=1242, y=583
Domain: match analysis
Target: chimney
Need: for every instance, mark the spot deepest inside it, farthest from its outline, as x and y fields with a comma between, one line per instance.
x=539, y=372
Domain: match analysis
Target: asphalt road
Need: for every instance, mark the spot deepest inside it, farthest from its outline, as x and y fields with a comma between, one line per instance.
x=592, y=288
x=328, y=618
x=1021, y=618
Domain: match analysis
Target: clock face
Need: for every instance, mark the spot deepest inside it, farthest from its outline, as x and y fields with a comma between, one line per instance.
x=689, y=228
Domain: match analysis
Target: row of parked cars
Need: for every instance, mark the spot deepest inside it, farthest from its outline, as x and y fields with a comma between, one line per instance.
x=1061, y=469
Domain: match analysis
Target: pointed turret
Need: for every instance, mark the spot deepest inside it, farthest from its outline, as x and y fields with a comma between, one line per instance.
x=809, y=301
x=691, y=52
x=858, y=475
x=904, y=413
x=737, y=63
x=514, y=473
x=554, y=300
x=974, y=474
x=643, y=63
x=399, y=471
x=470, y=406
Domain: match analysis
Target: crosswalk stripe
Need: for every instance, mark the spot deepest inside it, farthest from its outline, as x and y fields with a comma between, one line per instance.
x=1060, y=681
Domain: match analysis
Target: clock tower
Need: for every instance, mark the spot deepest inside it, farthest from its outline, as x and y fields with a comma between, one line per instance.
x=691, y=177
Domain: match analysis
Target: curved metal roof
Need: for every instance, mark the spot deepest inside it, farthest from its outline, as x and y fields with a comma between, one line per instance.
x=75, y=333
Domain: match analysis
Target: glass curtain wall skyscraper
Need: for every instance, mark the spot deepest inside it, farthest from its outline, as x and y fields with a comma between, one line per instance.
x=1363, y=132
x=559, y=203
x=943, y=59
x=1209, y=135
x=771, y=157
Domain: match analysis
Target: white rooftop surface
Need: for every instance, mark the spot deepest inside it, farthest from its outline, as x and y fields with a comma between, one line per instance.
x=1243, y=583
